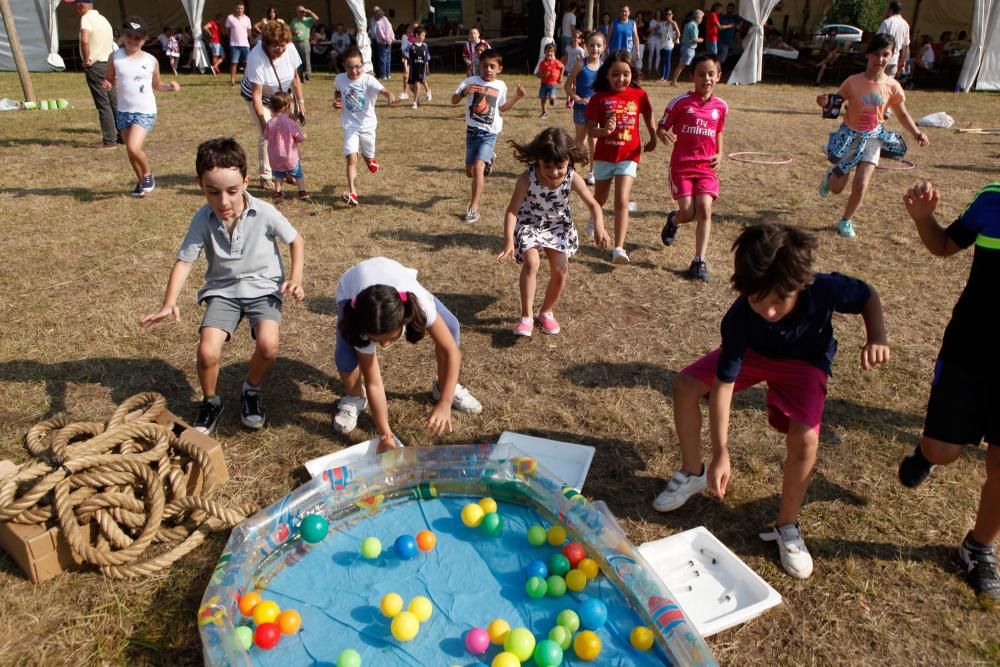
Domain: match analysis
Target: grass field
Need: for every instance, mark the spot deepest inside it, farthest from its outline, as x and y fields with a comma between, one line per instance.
x=82, y=262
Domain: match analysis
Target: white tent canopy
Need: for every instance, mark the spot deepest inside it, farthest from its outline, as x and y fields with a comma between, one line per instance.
x=38, y=34
x=982, y=64
x=750, y=68
x=549, y=31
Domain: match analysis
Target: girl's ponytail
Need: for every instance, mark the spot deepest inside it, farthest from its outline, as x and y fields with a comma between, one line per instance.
x=416, y=320
x=381, y=309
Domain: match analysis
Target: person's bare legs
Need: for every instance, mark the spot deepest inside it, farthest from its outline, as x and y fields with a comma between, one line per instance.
x=703, y=213
x=623, y=191
x=686, y=397
x=801, y=443
x=528, y=281
x=477, y=174
x=987, y=528
x=677, y=74
x=352, y=172
x=862, y=177
x=209, y=355
x=558, y=271
x=685, y=211
x=134, y=137
x=267, y=335
x=353, y=382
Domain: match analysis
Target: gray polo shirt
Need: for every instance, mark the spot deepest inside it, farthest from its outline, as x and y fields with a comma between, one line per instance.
x=246, y=264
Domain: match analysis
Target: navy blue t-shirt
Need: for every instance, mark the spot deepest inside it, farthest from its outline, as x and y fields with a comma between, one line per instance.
x=805, y=334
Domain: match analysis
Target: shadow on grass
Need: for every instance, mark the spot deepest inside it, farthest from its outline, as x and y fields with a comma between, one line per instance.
x=431, y=169
x=441, y=241
x=978, y=169
x=37, y=141
x=83, y=194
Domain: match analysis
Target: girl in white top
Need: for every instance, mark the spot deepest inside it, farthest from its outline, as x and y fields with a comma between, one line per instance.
x=653, y=43
x=380, y=301
x=669, y=33
x=135, y=73
x=574, y=52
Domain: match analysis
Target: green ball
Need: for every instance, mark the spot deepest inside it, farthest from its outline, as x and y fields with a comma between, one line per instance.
x=492, y=524
x=536, y=587
x=349, y=658
x=521, y=643
x=537, y=536
x=558, y=564
x=313, y=528
x=548, y=653
x=568, y=619
x=561, y=636
x=557, y=586
x=371, y=548
x=244, y=634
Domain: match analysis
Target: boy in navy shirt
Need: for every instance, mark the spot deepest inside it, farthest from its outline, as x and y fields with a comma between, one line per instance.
x=964, y=406
x=779, y=331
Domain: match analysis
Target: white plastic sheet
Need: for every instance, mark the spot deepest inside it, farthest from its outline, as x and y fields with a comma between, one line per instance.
x=38, y=34
x=750, y=68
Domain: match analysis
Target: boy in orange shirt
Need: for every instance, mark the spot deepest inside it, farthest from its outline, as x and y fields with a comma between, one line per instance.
x=550, y=71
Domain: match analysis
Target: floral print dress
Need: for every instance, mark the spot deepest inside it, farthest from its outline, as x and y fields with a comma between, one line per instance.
x=544, y=221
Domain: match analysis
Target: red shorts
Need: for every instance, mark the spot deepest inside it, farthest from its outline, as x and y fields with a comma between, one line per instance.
x=688, y=182
x=796, y=390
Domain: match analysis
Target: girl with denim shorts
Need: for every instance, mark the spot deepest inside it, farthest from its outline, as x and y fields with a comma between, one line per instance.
x=580, y=88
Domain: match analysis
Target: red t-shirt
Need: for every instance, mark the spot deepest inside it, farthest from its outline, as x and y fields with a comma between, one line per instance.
x=712, y=27
x=624, y=143
x=550, y=71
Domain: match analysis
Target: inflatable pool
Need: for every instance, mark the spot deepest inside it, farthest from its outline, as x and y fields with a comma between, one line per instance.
x=340, y=553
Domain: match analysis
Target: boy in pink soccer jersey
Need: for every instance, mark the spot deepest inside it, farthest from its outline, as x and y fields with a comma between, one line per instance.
x=693, y=122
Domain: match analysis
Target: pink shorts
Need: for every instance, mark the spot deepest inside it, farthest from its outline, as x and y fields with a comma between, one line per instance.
x=691, y=182
x=796, y=390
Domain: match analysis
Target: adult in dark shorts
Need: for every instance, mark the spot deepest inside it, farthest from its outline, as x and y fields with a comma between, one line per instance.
x=964, y=406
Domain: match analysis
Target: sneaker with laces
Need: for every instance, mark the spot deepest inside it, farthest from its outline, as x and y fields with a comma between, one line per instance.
x=252, y=413
x=524, y=327
x=544, y=114
x=350, y=199
x=619, y=256
x=348, y=410
x=914, y=468
x=488, y=167
x=208, y=415
x=792, y=549
x=138, y=192
x=415, y=106
x=669, y=232
x=463, y=400
x=403, y=96
x=429, y=96
x=981, y=570
x=471, y=216
x=846, y=228
x=681, y=487
x=277, y=195
x=304, y=195
x=590, y=178
x=824, y=185
x=373, y=165
x=698, y=271
x=548, y=323
x=148, y=183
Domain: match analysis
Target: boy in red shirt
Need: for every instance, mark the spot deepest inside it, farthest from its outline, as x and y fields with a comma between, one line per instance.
x=712, y=29
x=550, y=71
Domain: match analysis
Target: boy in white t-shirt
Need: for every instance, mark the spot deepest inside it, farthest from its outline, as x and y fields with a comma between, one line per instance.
x=355, y=92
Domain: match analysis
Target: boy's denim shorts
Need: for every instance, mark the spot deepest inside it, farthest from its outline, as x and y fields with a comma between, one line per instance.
x=295, y=172
x=547, y=90
x=238, y=53
x=225, y=313
x=215, y=48
x=126, y=119
x=479, y=145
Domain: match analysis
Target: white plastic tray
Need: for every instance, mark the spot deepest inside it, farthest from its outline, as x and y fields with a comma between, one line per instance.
x=567, y=461
x=724, y=592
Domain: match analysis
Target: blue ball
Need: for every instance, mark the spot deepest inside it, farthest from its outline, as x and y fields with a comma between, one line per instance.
x=536, y=568
x=405, y=547
x=593, y=614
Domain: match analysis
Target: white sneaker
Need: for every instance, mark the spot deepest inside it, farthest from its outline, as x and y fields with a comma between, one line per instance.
x=792, y=549
x=590, y=178
x=429, y=96
x=463, y=400
x=679, y=490
x=619, y=256
x=416, y=106
x=348, y=410
x=403, y=96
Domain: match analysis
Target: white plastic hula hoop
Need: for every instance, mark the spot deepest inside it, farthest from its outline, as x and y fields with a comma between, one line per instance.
x=906, y=164
x=780, y=158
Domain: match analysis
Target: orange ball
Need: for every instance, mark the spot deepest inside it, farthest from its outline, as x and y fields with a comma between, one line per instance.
x=289, y=621
x=426, y=540
x=248, y=602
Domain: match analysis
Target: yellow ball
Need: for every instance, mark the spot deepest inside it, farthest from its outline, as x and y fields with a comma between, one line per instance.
x=587, y=645
x=405, y=626
x=557, y=535
x=391, y=605
x=641, y=638
x=497, y=630
x=576, y=580
x=589, y=567
x=488, y=505
x=266, y=612
x=472, y=515
x=421, y=607
x=505, y=659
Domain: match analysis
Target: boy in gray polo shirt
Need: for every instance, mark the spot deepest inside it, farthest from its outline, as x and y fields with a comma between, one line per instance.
x=239, y=235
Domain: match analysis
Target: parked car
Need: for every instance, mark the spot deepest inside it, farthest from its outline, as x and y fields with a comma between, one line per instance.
x=846, y=34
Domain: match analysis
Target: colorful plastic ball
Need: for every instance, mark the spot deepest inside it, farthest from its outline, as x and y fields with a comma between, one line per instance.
x=289, y=621
x=536, y=536
x=527, y=466
x=248, y=602
x=568, y=619
x=405, y=626
x=472, y=515
x=391, y=605
x=371, y=548
x=548, y=654
x=267, y=636
x=589, y=567
x=492, y=524
x=265, y=612
x=557, y=586
x=587, y=645
x=574, y=553
x=641, y=638
x=426, y=540
x=421, y=607
x=556, y=535
x=477, y=641
x=349, y=658
x=558, y=564
x=244, y=635
x=521, y=643
x=536, y=587
x=488, y=505
x=405, y=547
x=497, y=630
x=505, y=659
x=536, y=568
x=593, y=613
x=313, y=528
x=576, y=580
x=561, y=636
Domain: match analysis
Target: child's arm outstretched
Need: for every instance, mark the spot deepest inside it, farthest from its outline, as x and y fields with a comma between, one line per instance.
x=518, y=94
x=921, y=201
x=158, y=84
x=293, y=286
x=596, y=214
x=876, y=349
x=446, y=349
x=390, y=98
x=510, y=217
x=911, y=127
x=178, y=276
x=647, y=117
x=459, y=94
x=570, y=86
x=370, y=371
x=720, y=399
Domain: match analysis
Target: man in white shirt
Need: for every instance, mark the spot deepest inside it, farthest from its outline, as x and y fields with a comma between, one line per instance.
x=896, y=27
x=239, y=27
x=568, y=26
x=96, y=45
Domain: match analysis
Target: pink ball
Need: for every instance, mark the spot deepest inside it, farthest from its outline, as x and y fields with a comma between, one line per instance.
x=477, y=641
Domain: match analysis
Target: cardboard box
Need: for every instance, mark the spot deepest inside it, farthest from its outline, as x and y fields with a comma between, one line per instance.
x=213, y=447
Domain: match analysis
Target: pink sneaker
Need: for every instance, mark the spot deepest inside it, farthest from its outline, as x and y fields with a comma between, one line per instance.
x=548, y=323
x=524, y=327
x=373, y=166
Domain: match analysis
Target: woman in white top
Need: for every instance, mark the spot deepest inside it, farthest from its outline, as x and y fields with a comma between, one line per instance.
x=271, y=67
x=135, y=74
x=653, y=43
x=669, y=32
